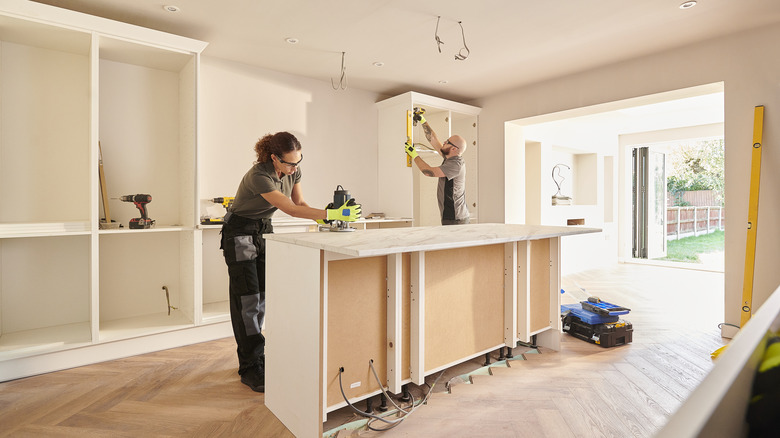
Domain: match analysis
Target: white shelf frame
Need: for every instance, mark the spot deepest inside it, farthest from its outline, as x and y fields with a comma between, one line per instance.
x=26, y=351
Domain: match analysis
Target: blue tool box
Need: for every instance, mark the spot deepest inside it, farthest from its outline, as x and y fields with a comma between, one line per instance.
x=597, y=322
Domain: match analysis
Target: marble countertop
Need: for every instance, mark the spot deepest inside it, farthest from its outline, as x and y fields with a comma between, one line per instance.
x=364, y=243
x=289, y=220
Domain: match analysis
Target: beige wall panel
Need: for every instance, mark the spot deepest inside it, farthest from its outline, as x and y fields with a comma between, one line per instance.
x=357, y=325
x=464, y=302
x=540, y=284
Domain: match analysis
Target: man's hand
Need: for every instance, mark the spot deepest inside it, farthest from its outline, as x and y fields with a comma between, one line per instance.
x=349, y=212
x=418, y=118
x=409, y=148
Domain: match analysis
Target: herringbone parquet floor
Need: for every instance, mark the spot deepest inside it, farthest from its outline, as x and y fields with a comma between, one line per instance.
x=584, y=390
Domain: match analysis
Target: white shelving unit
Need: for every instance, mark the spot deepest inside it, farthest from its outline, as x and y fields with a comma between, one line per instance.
x=412, y=194
x=70, y=292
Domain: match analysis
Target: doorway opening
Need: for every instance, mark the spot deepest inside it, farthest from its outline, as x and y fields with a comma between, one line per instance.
x=678, y=203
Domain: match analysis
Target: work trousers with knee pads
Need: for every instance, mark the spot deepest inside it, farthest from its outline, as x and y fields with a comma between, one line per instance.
x=243, y=247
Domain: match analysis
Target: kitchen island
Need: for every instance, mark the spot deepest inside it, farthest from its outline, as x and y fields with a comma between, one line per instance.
x=409, y=301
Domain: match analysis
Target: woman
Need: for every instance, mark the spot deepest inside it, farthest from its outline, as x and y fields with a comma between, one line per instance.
x=273, y=182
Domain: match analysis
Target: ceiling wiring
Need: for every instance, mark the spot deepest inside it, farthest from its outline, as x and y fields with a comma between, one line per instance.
x=460, y=56
x=439, y=42
x=343, y=78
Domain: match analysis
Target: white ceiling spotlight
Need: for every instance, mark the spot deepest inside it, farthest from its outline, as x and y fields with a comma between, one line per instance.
x=688, y=4
x=291, y=40
x=171, y=8
x=443, y=81
x=379, y=64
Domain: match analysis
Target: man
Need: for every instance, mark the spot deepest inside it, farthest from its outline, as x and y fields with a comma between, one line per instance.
x=451, y=173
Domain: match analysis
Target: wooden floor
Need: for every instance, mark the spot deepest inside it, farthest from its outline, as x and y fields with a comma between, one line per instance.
x=584, y=390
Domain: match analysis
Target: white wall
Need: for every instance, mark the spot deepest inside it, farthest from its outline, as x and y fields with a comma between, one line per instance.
x=337, y=129
x=747, y=63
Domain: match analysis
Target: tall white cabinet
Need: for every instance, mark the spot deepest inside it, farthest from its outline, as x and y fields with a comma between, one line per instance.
x=405, y=192
x=72, y=293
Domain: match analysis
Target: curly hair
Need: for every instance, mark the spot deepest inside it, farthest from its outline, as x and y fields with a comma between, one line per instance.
x=277, y=144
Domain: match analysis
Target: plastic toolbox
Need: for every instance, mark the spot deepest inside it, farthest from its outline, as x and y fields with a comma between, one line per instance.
x=597, y=322
x=608, y=334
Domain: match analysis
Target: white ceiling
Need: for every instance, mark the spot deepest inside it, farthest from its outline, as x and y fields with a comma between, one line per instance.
x=511, y=42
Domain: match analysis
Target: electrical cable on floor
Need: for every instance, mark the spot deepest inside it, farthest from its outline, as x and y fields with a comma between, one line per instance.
x=373, y=418
x=365, y=414
x=720, y=326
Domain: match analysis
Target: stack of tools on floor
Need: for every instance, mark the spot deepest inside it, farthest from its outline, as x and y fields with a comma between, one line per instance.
x=597, y=322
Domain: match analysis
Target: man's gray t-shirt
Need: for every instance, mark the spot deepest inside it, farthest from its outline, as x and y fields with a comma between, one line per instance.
x=261, y=178
x=452, y=189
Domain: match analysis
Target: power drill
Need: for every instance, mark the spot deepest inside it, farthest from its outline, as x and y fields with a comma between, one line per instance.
x=140, y=202
x=226, y=201
x=418, y=112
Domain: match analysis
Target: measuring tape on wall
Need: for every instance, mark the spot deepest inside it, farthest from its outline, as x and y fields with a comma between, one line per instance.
x=752, y=225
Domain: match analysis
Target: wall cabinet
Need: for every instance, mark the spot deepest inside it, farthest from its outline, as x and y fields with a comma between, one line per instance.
x=412, y=194
x=71, y=292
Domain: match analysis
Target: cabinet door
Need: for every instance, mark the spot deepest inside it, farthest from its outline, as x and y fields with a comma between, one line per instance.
x=466, y=125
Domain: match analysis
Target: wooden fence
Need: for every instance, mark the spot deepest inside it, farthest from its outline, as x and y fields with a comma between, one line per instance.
x=692, y=221
x=693, y=197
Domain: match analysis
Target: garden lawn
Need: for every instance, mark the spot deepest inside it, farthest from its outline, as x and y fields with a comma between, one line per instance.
x=688, y=249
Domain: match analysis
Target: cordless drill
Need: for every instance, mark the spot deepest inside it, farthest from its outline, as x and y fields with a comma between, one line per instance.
x=226, y=201
x=140, y=202
x=418, y=112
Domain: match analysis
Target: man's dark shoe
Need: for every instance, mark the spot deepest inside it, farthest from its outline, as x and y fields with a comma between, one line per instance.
x=254, y=380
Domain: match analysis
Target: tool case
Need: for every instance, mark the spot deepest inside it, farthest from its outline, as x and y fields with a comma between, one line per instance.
x=602, y=327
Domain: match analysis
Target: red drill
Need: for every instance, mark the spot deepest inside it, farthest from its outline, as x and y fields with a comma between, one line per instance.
x=140, y=202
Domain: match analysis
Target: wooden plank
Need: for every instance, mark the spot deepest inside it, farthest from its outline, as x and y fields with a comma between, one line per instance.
x=539, y=293
x=464, y=303
x=395, y=341
x=357, y=326
x=406, y=315
x=417, y=317
x=398, y=320
x=293, y=320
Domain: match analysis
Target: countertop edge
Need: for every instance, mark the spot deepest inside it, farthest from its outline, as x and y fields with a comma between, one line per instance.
x=300, y=239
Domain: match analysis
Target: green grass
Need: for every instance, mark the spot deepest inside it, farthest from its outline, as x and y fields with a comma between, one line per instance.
x=688, y=249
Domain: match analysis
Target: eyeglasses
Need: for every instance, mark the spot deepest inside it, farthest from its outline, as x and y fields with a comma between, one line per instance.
x=451, y=143
x=291, y=164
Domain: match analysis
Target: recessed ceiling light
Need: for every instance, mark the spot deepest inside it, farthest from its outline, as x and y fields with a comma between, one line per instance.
x=379, y=64
x=688, y=5
x=442, y=81
x=292, y=40
x=171, y=8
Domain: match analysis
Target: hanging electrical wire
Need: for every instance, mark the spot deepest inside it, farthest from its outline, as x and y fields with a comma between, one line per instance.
x=373, y=418
x=343, y=78
x=460, y=56
x=558, y=184
x=439, y=42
